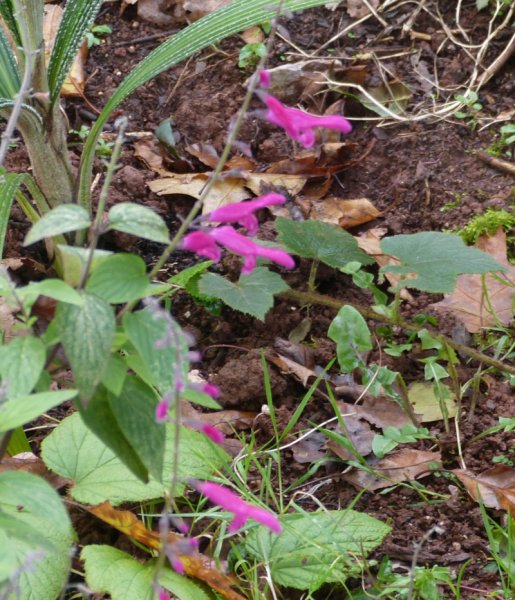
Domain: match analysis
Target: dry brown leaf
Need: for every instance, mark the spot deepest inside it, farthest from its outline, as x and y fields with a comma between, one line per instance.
x=195, y=564
x=253, y=35
x=328, y=159
x=426, y=403
x=227, y=421
x=358, y=9
x=7, y=320
x=382, y=412
x=369, y=242
x=404, y=465
x=30, y=463
x=468, y=302
x=310, y=449
x=148, y=152
x=75, y=81
x=200, y=8
x=360, y=434
x=287, y=365
x=206, y=153
x=156, y=11
x=495, y=486
x=345, y=213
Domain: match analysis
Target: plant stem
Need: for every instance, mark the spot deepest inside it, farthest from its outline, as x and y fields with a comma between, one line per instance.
x=315, y=298
x=313, y=275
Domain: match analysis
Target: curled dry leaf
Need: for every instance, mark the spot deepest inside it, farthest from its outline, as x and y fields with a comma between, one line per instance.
x=369, y=242
x=195, y=564
x=381, y=412
x=156, y=12
x=495, y=487
x=358, y=9
x=357, y=431
x=404, y=465
x=469, y=303
x=73, y=84
x=286, y=365
x=200, y=8
x=345, y=213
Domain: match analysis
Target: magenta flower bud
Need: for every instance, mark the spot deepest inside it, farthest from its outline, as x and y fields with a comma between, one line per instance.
x=202, y=244
x=162, y=411
x=299, y=125
x=265, y=79
x=211, y=389
x=177, y=565
x=242, y=510
x=163, y=594
x=214, y=434
x=243, y=212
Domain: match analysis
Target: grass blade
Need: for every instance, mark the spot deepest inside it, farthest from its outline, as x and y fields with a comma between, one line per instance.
x=9, y=74
x=9, y=183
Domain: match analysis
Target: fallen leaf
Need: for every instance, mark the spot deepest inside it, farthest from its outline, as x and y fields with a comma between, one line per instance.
x=156, y=12
x=404, y=465
x=468, y=302
x=200, y=8
x=206, y=153
x=7, y=320
x=310, y=449
x=381, y=412
x=427, y=405
x=195, y=564
x=288, y=366
x=358, y=9
x=358, y=432
x=253, y=35
x=75, y=81
x=30, y=463
x=495, y=487
x=370, y=242
x=227, y=421
x=391, y=98
x=345, y=213
x=148, y=152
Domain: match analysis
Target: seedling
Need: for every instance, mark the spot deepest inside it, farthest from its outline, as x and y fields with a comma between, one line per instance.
x=251, y=54
x=470, y=110
x=96, y=33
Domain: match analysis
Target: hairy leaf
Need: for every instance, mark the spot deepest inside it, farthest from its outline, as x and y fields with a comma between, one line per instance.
x=436, y=258
x=253, y=294
x=138, y=220
x=9, y=183
x=87, y=333
x=62, y=219
x=352, y=336
x=325, y=242
x=21, y=364
x=120, y=278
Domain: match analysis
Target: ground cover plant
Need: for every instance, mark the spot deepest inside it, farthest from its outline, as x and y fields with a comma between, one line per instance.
x=262, y=403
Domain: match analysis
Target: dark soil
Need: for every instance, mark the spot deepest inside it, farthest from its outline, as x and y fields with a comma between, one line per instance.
x=423, y=176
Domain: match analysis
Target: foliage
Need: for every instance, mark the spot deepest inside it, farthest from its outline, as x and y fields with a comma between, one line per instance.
x=251, y=54
x=486, y=224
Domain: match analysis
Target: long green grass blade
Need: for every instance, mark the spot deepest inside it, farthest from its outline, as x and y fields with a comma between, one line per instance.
x=77, y=18
x=231, y=19
x=9, y=183
x=9, y=75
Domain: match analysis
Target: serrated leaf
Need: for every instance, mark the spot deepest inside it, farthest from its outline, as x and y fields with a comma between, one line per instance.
x=138, y=220
x=21, y=363
x=116, y=573
x=76, y=21
x=74, y=259
x=134, y=409
x=144, y=331
x=352, y=336
x=74, y=452
x=253, y=294
x=23, y=409
x=62, y=219
x=43, y=511
x=328, y=243
x=316, y=548
x=87, y=333
x=9, y=183
x=437, y=258
x=120, y=278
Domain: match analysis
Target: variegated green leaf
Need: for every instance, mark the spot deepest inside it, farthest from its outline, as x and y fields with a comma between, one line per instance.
x=9, y=183
x=9, y=74
x=77, y=18
x=7, y=14
x=235, y=17
x=87, y=333
x=28, y=115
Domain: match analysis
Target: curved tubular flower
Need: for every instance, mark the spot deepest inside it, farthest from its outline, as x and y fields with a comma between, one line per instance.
x=242, y=510
x=243, y=212
x=202, y=244
x=299, y=125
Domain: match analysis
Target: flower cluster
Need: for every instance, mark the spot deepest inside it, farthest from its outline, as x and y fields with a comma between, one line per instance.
x=242, y=511
x=208, y=242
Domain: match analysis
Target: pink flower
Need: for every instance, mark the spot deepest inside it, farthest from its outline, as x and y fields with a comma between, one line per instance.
x=243, y=212
x=211, y=389
x=242, y=510
x=265, y=79
x=163, y=594
x=299, y=125
x=202, y=244
x=214, y=434
x=162, y=411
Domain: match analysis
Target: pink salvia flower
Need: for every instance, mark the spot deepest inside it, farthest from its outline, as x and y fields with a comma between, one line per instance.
x=202, y=244
x=242, y=510
x=300, y=125
x=265, y=79
x=243, y=212
x=214, y=434
x=162, y=411
x=163, y=594
x=211, y=390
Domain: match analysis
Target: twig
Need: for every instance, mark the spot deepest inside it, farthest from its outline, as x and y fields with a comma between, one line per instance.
x=497, y=163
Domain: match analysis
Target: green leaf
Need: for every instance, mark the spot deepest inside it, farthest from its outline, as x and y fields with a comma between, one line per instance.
x=138, y=220
x=120, y=278
x=111, y=571
x=200, y=398
x=32, y=501
x=62, y=219
x=7, y=14
x=18, y=442
x=15, y=413
x=21, y=363
x=480, y=4
x=330, y=244
x=115, y=374
x=253, y=294
x=100, y=420
x=77, y=18
x=74, y=452
x=134, y=410
x=9, y=74
x=144, y=330
x=52, y=288
x=352, y=336
x=228, y=20
x=437, y=258
x=9, y=183
x=74, y=259
x=316, y=548
x=87, y=333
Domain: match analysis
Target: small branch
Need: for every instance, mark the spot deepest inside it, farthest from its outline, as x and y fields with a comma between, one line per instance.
x=497, y=163
x=314, y=298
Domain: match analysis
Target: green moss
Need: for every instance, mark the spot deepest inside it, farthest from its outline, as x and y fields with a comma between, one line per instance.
x=486, y=224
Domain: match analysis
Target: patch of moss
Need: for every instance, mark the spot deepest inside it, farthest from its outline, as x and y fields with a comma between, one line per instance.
x=486, y=224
